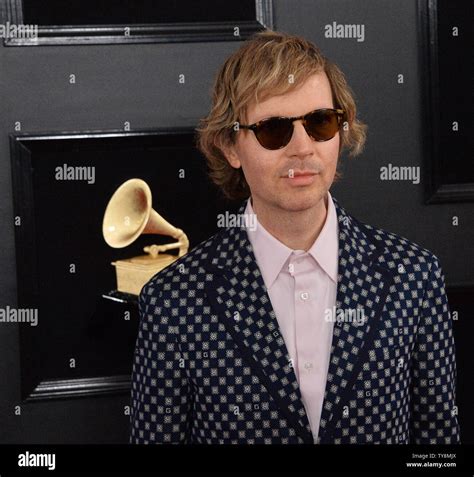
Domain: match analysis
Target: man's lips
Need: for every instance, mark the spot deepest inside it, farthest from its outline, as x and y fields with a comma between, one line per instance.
x=300, y=178
x=299, y=174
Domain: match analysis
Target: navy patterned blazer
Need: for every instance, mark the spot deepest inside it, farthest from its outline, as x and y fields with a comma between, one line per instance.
x=211, y=366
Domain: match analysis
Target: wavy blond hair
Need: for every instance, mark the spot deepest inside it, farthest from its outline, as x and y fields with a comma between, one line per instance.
x=259, y=69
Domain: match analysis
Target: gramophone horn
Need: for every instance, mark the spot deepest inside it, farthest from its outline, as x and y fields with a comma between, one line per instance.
x=129, y=214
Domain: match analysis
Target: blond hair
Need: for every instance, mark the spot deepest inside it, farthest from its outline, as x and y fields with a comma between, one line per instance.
x=259, y=69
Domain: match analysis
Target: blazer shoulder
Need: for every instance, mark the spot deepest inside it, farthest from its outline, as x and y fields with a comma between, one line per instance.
x=399, y=248
x=393, y=247
x=188, y=264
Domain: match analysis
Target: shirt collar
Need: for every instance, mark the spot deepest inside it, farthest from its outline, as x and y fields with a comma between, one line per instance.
x=273, y=254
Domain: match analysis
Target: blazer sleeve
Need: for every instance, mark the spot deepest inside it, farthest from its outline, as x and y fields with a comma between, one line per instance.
x=160, y=393
x=434, y=412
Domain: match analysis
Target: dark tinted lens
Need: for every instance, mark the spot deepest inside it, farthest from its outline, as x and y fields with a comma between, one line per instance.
x=322, y=125
x=274, y=133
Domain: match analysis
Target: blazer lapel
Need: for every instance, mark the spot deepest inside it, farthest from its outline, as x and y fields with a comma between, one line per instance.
x=239, y=295
x=362, y=288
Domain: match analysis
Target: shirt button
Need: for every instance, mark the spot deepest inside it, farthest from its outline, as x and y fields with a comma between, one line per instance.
x=308, y=366
x=304, y=295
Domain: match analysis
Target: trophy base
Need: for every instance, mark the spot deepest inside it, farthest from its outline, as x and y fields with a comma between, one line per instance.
x=134, y=272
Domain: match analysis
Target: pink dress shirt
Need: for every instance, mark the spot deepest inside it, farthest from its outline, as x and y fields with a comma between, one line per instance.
x=301, y=286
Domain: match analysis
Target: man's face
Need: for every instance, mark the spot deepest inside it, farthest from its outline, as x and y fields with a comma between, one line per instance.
x=268, y=173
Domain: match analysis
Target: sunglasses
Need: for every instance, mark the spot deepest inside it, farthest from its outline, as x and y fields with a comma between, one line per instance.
x=276, y=132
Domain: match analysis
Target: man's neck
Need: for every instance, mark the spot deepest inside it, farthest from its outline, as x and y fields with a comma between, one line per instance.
x=297, y=230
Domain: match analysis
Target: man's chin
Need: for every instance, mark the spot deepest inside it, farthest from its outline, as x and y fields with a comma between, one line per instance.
x=300, y=202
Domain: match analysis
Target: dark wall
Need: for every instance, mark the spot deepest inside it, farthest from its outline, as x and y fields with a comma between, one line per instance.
x=137, y=83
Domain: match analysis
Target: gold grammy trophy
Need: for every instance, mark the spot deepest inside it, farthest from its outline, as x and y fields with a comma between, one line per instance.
x=129, y=214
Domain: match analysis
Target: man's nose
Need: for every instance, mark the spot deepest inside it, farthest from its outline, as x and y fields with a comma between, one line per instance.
x=300, y=137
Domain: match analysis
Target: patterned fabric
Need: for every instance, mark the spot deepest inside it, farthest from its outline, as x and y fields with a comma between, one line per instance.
x=211, y=366
x=301, y=287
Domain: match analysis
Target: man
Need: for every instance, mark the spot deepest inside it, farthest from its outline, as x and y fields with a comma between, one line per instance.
x=311, y=327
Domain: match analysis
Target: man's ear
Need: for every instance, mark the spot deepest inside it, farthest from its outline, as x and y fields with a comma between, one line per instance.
x=231, y=156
